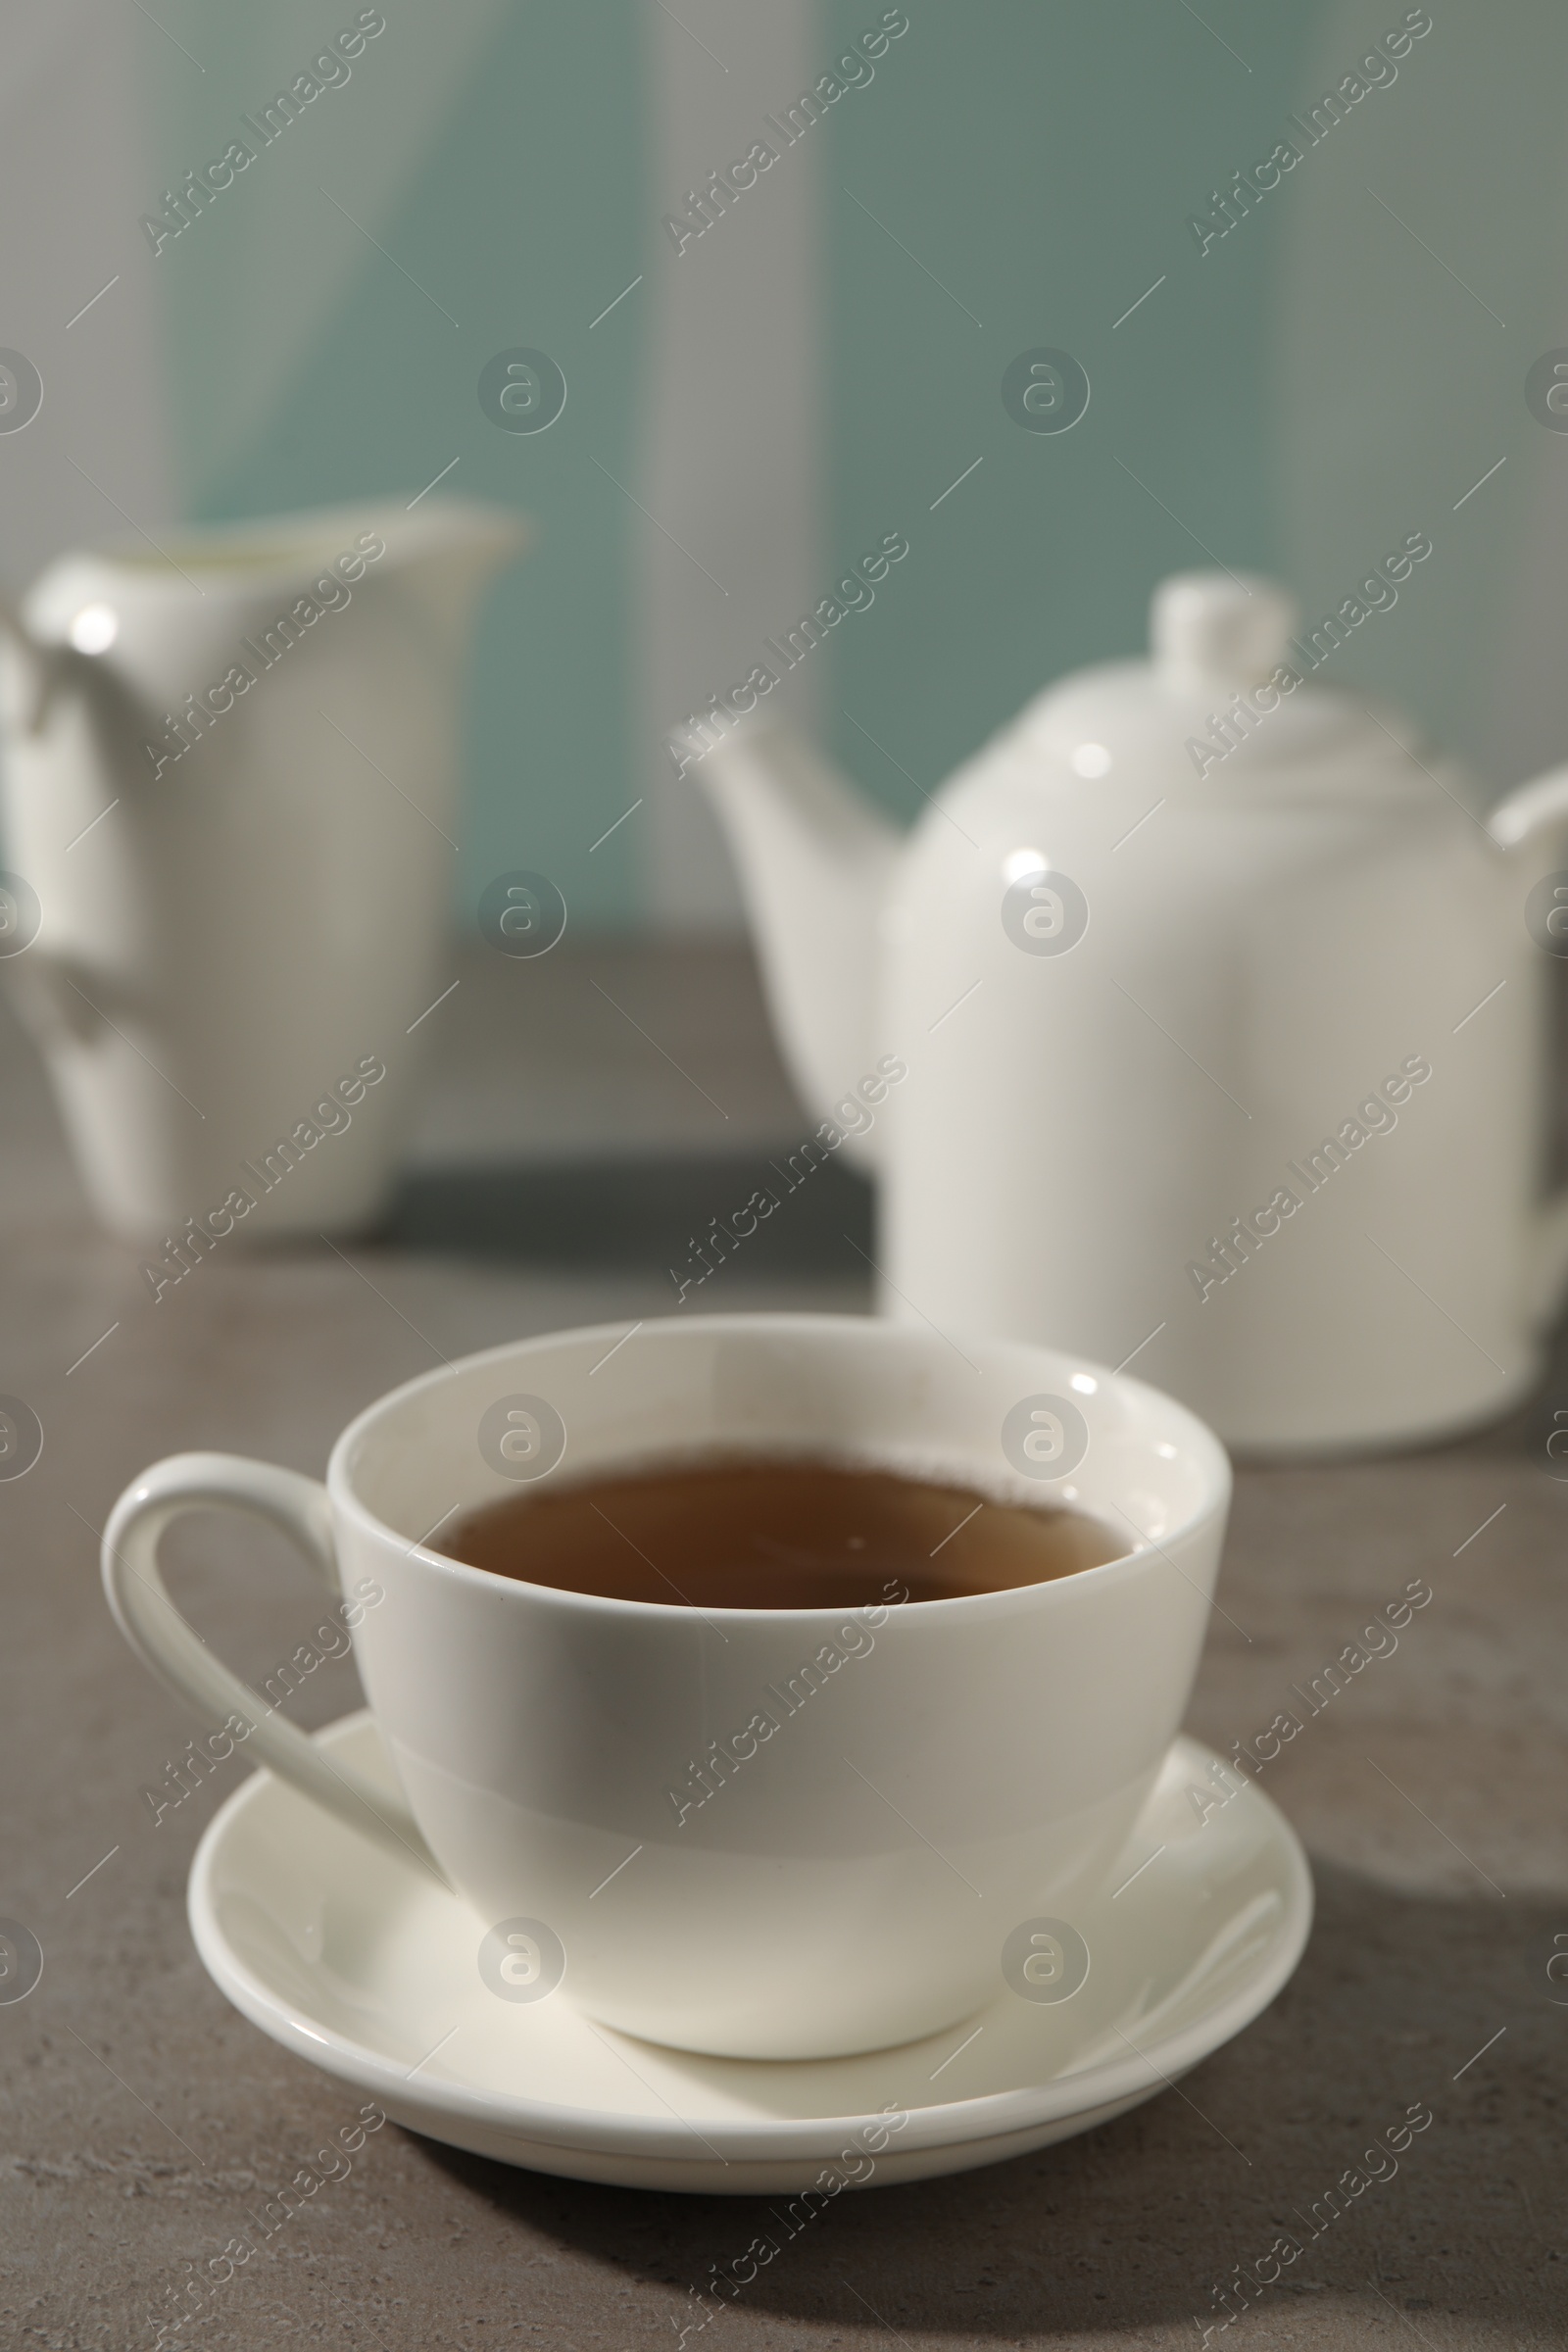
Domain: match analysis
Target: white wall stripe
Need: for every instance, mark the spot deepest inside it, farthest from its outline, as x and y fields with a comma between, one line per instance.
x=71, y=88
x=732, y=463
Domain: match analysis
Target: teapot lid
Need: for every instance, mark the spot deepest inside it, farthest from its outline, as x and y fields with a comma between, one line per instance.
x=1228, y=686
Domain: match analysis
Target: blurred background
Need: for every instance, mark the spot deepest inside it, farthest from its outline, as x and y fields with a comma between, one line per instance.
x=750, y=408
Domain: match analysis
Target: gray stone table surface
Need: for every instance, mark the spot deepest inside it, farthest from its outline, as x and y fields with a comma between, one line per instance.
x=562, y=1159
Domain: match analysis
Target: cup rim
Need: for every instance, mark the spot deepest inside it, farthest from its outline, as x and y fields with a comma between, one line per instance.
x=1196, y=1434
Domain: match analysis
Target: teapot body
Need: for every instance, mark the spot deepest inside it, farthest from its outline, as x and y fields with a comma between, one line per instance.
x=1251, y=1104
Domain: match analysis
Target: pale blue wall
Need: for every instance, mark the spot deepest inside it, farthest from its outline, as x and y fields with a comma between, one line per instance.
x=1041, y=163
x=522, y=218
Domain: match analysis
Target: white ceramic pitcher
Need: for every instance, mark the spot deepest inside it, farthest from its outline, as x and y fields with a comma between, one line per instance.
x=228, y=778
x=1224, y=1025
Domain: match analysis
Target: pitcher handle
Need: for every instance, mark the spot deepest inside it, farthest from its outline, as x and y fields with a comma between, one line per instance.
x=176, y=1655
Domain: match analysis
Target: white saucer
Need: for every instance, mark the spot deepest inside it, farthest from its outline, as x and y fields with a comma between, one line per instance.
x=369, y=1969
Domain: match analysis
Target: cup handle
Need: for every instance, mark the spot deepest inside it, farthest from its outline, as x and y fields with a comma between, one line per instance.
x=177, y=1656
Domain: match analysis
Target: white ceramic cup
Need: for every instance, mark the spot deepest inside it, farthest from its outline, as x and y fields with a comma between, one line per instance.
x=937, y=1774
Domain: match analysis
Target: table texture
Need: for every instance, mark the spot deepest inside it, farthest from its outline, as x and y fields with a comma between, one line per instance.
x=563, y=1155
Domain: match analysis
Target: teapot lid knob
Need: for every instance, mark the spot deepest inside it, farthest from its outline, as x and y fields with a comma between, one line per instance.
x=1212, y=629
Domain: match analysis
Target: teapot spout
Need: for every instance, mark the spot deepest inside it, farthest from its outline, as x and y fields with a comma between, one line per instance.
x=813, y=863
x=1532, y=822
x=1532, y=814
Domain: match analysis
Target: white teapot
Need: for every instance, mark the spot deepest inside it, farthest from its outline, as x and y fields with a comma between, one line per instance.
x=1224, y=1023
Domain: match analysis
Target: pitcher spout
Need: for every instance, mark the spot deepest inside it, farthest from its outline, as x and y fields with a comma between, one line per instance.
x=813, y=864
x=445, y=552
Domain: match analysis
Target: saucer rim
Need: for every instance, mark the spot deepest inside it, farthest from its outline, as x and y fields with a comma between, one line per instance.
x=993, y=2115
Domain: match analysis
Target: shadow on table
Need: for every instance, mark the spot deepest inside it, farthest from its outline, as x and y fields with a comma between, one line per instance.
x=657, y=1213
x=1137, y=2223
